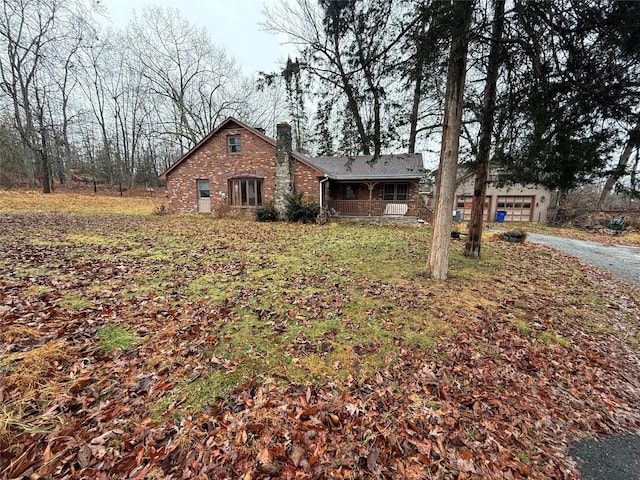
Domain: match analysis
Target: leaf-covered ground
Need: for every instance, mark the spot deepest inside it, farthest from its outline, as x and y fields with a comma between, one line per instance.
x=142, y=346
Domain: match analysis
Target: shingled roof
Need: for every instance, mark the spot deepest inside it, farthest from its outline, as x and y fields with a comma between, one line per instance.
x=385, y=167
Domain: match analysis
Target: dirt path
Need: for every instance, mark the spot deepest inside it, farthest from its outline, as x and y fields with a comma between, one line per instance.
x=621, y=260
x=616, y=458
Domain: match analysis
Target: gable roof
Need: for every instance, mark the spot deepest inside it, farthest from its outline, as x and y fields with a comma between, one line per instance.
x=231, y=122
x=386, y=167
x=406, y=166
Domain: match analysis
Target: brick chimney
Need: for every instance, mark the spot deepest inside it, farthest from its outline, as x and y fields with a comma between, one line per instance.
x=284, y=166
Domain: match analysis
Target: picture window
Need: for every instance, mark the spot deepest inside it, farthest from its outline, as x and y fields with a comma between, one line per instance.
x=246, y=192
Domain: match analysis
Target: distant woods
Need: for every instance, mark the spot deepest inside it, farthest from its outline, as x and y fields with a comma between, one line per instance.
x=84, y=103
x=367, y=77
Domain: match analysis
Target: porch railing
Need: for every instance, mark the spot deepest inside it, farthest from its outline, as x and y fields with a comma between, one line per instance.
x=375, y=208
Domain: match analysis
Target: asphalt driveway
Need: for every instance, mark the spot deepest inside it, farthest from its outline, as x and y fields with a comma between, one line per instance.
x=621, y=260
x=613, y=458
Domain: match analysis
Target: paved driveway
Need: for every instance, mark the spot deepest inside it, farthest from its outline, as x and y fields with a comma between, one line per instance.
x=613, y=458
x=621, y=260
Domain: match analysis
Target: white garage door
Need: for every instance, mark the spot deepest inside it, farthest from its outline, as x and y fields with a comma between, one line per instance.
x=519, y=208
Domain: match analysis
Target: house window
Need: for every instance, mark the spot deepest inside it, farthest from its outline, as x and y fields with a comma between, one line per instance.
x=396, y=191
x=350, y=192
x=233, y=144
x=246, y=192
x=203, y=189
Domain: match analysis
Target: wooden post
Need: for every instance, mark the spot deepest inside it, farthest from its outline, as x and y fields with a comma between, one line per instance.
x=371, y=186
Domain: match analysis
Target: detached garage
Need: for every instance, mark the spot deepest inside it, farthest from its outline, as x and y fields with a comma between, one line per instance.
x=522, y=203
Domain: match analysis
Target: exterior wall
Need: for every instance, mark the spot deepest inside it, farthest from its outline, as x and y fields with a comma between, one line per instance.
x=305, y=180
x=539, y=206
x=212, y=161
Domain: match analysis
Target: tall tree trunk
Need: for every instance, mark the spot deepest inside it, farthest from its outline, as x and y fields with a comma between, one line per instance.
x=438, y=259
x=415, y=108
x=474, y=242
x=623, y=161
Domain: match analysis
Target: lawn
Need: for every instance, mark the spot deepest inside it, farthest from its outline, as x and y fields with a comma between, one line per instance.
x=155, y=346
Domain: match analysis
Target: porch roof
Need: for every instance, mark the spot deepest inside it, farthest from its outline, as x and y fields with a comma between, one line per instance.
x=386, y=167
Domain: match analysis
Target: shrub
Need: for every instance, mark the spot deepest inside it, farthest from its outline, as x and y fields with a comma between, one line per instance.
x=518, y=235
x=300, y=209
x=160, y=209
x=267, y=213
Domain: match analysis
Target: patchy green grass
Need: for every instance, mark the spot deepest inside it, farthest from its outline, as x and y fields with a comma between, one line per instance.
x=551, y=337
x=74, y=302
x=208, y=317
x=112, y=338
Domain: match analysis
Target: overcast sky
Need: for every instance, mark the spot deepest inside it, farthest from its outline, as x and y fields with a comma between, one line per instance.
x=233, y=24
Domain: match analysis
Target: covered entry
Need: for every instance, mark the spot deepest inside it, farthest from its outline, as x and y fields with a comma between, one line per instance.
x=373, y=198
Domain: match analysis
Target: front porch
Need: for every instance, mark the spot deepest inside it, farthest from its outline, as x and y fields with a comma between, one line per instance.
x=378, y=198
x=375, y=208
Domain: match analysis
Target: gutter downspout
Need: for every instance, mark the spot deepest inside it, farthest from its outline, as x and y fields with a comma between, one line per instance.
x=326, y=177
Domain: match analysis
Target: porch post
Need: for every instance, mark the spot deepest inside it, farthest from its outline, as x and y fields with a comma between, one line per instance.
x=370, y=185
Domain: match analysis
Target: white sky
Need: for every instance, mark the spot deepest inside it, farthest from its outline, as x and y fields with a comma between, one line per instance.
x=233, y=24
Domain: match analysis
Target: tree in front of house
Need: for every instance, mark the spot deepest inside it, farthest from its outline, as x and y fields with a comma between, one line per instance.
x=474, y=239
x=438, y=256
x=562, y=92
x=620, y=32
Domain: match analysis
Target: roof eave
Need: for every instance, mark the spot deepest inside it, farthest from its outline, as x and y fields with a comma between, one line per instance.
x=374, y=177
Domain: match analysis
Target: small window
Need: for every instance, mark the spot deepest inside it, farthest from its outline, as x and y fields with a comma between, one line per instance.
x=350, y=193
x=203, y=189
x=233, y=144
x=246, y=192
x=395, y=191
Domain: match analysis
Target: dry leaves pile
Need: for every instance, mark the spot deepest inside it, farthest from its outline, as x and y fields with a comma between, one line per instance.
x=523, y=371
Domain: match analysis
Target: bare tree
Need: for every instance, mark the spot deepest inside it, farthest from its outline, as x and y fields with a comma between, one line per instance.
x=191, y=80
x=26, y=30
x=621, y=168
x=40, y=40
x=353, y=48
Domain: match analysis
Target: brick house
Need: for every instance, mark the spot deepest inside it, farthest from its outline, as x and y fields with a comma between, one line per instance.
x=237, y=168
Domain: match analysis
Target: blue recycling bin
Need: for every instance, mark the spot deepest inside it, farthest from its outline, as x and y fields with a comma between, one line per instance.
x=500, y=216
